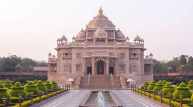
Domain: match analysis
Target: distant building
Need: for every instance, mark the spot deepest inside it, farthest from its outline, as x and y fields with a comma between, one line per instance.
x=174, y=76
x=100, y=56
x=38, y=72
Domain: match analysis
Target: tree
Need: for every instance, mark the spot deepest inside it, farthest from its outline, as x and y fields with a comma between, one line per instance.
x=160, y=67
x=8, y=64
x=190, y=60
x=174, y=64
x=183, y=59
x=13, y=63
x=27, y=64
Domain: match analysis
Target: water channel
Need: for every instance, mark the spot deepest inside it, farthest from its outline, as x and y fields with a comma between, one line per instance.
x=100, y=99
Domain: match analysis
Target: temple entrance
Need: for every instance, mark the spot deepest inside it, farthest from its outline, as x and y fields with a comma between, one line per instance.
x=100, y=67
x=111, y=70
x=89, y=70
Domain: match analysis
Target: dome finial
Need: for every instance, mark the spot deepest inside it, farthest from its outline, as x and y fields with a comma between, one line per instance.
x=100, y=11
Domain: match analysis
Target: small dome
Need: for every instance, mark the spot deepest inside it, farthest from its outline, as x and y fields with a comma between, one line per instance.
x=50, y=54
x=120, y=35
x=137, y=38
x=127, y=38
x=81, y=34
x=63, y=38
x=151, y=54
x=100, y=33
x=73, y=38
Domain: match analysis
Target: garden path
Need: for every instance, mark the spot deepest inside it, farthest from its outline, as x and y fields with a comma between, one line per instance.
x=68, y=99
x=73, y=98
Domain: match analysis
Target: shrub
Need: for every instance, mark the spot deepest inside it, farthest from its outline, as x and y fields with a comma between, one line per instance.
x=48, y=86
x=17, y=90
x=181, y=93
x=27, y=103
x=151, y=86
x=167, y=90
x=54, y=86
x=7, y=84
x=144, y=87
x=175, y=104
x=30, y=89
x=3, y=92
x=190, y=84
x=157, y=87
x=166, y=101
x=41, y=87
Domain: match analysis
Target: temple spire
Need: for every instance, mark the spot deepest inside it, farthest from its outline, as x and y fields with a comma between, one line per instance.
x=100, y=12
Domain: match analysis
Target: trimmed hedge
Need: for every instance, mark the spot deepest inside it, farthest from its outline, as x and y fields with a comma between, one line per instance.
x=12, y=92
x=158, y=98
x=38, y=99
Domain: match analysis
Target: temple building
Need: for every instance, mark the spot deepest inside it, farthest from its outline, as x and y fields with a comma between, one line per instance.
x=100, y=56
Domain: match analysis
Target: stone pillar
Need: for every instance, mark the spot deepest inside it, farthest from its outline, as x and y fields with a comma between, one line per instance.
x=106, y=40
x=83, y=66
x=93, y=66
x=107, y=66
x=116, y=71
x=114, y=36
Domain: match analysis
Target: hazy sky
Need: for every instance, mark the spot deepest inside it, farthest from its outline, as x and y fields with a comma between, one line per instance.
x=29, y=28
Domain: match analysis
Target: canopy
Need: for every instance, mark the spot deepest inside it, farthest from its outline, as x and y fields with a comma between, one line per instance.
x=130, y=80
x=70, y=79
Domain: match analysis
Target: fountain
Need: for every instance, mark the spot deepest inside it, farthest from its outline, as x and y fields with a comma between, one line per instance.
x=100, y=99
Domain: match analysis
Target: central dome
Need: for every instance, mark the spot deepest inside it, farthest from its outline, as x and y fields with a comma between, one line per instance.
x=100, y=21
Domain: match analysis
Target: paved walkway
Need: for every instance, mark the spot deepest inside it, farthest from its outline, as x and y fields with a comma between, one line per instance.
x=74, y=97
x=69, y=99
x=130, y=99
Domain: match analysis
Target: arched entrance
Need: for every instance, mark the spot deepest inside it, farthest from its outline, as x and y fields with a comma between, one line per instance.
x=89, y=70
x=100, y=67
x=111, y=70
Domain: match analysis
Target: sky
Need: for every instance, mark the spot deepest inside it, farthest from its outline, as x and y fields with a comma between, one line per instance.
x=30, y=28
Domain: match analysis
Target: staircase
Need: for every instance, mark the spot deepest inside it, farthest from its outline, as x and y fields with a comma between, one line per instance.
x=100, y=82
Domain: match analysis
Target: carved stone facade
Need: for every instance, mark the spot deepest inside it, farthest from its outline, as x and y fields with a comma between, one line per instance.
x=99, y=49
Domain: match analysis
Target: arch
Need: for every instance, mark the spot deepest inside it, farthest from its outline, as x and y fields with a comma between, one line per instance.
x=100, y=67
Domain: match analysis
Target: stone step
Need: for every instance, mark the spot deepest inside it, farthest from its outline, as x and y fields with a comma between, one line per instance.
x=100, y=81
